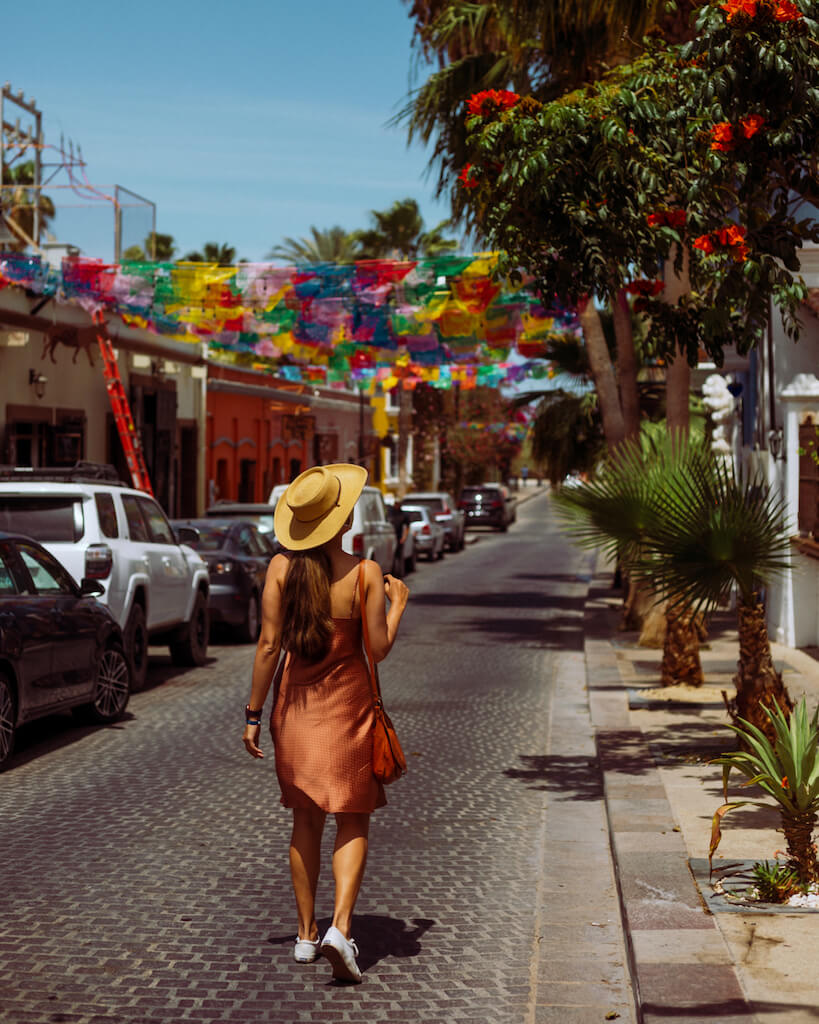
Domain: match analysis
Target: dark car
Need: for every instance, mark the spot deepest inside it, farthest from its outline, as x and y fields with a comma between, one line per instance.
x=488, y=505
x=237, y=554
x=258, y=513
x=59, y=647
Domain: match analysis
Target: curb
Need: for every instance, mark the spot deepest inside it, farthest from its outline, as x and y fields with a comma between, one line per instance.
x=681, y=966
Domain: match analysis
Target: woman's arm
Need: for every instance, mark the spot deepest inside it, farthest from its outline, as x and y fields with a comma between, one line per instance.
x=382, y=624
x=267, y=649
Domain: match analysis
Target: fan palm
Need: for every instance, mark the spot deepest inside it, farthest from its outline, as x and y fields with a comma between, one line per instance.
x=713, y=532
x=332, y=245
x=619, y=512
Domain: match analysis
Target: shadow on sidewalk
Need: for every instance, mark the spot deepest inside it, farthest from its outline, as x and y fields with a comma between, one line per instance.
x=377, y=936
x=574, y=778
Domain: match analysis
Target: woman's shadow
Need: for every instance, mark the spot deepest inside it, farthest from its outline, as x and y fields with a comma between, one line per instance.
x=377, y=936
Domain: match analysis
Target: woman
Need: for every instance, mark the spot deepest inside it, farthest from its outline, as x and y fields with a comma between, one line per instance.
x=322, y=714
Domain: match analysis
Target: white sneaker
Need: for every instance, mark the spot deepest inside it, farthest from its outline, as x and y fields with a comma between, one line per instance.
x=341, y=953
x=306, y=951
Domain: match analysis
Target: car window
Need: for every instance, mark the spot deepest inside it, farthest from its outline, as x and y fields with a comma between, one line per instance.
x=7, y=584
x=47, y=519
x=211, y=538
x=245, y=542
x=106, y=513
x=413, y=516
x=433, y=504
x=47, y=575
x=137, y=530
x=159, y=528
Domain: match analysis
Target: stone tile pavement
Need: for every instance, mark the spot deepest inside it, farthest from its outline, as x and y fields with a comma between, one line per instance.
x=690, y=965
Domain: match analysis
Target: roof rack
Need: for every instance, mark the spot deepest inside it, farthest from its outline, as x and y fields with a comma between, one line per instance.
x=80, y=472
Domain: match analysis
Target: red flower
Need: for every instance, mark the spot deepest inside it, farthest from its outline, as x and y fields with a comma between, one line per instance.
x=465, y=179
x=644, y=287
x=722, y=136
x=751, y=124
x=704, y=243
x=786, y=11
x=736, y=7
x=489, y=101
x=784, y=781
x=666, y=218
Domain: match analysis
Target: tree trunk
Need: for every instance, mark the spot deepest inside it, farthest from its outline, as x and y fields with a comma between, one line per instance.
x=638, y=604
x=757, y=681
x=678, y=372
x=681, y=650
x=626, y=365
x=655, y=627
x=798, y=829
x=602, y=371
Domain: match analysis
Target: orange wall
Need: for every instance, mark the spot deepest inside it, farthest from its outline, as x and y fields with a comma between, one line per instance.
x=244, y=429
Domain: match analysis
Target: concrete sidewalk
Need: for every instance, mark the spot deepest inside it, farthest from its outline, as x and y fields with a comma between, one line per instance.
x=693, y=957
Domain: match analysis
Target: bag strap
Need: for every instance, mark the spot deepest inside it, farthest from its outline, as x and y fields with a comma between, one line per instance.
x=372, y=671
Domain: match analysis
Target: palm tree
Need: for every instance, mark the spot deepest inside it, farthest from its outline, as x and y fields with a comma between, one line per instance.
x=18, y=201
x=212, y=252
x=697, y=532
x=333, y=245
x=398, y=233
x=157, y=246
x=617, y=511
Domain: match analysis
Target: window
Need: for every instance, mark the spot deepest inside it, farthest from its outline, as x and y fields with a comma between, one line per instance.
x=137, y=529
x=106, y=513
x=158, y=526
x=47, y=519
x=47, y=575
x=7, y=584
x=246, y=542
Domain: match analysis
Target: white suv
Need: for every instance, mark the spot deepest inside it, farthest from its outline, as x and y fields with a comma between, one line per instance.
x=156, y=588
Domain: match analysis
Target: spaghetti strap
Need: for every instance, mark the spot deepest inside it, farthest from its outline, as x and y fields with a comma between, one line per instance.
x=355, y=590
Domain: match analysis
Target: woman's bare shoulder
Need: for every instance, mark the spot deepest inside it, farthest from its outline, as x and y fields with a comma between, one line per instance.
x=277, y=569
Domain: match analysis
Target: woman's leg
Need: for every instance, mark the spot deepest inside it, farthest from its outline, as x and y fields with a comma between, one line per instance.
x=305, y=858
x=349, y=860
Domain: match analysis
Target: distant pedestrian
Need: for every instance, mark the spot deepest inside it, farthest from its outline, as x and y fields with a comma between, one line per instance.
x=401, y=524
x=322, y=714
x=524, y=474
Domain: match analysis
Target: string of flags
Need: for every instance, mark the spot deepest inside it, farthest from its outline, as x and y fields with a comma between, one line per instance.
x=442, y=321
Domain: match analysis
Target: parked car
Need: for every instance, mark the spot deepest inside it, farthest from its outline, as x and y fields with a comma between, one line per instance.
x=237, y=556
x=430, y=536
x=99, y=528
x=444, y=510
x=372, y=534
x=258, y=513
x=59, y=647
x=405, y=554
x=488, y=505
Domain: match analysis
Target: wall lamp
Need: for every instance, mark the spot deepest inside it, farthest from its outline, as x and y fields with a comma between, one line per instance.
x=776, y=438
x=38, y=381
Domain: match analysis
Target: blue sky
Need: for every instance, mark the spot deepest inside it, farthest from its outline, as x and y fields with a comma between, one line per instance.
x=244, y=122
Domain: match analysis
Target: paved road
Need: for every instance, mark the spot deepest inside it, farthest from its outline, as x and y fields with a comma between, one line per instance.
x=144, y=867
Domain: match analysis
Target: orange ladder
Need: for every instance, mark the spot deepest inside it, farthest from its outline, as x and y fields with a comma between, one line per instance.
x=122, y=410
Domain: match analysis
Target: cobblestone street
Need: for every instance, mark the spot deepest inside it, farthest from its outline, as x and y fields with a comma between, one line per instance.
x=144, y=868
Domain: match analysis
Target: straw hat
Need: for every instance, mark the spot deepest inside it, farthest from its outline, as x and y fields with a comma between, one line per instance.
x=316, y=504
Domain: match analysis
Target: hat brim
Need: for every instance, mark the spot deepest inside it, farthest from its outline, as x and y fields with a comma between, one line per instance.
x=298, y=536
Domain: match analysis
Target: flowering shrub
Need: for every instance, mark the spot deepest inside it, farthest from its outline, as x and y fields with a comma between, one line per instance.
x=723, y=138
x=784, y=10
x=491, y=101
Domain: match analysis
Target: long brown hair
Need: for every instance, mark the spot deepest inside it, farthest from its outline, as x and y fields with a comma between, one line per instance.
x=307, y=623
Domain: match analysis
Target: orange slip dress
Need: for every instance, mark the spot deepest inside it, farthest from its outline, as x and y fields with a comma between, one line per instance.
x=322, y=725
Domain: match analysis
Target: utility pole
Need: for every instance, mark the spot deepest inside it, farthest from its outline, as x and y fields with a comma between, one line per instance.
x=13, y=136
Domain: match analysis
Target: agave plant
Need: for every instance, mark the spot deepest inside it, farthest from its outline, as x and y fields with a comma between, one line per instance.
x=787, y=769
x=711, y=532
x=618, y=512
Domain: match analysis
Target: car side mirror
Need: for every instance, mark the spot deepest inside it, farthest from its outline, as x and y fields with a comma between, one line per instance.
x=91, y=588
x=187, y=534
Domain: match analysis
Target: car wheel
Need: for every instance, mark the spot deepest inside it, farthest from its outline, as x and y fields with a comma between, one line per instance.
x=136, y=647
x=8, y=719
x=112, y=689
x=462, y=545
x=191, y=646
x=248, y=631
x=441, y=552
x=503, y=527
